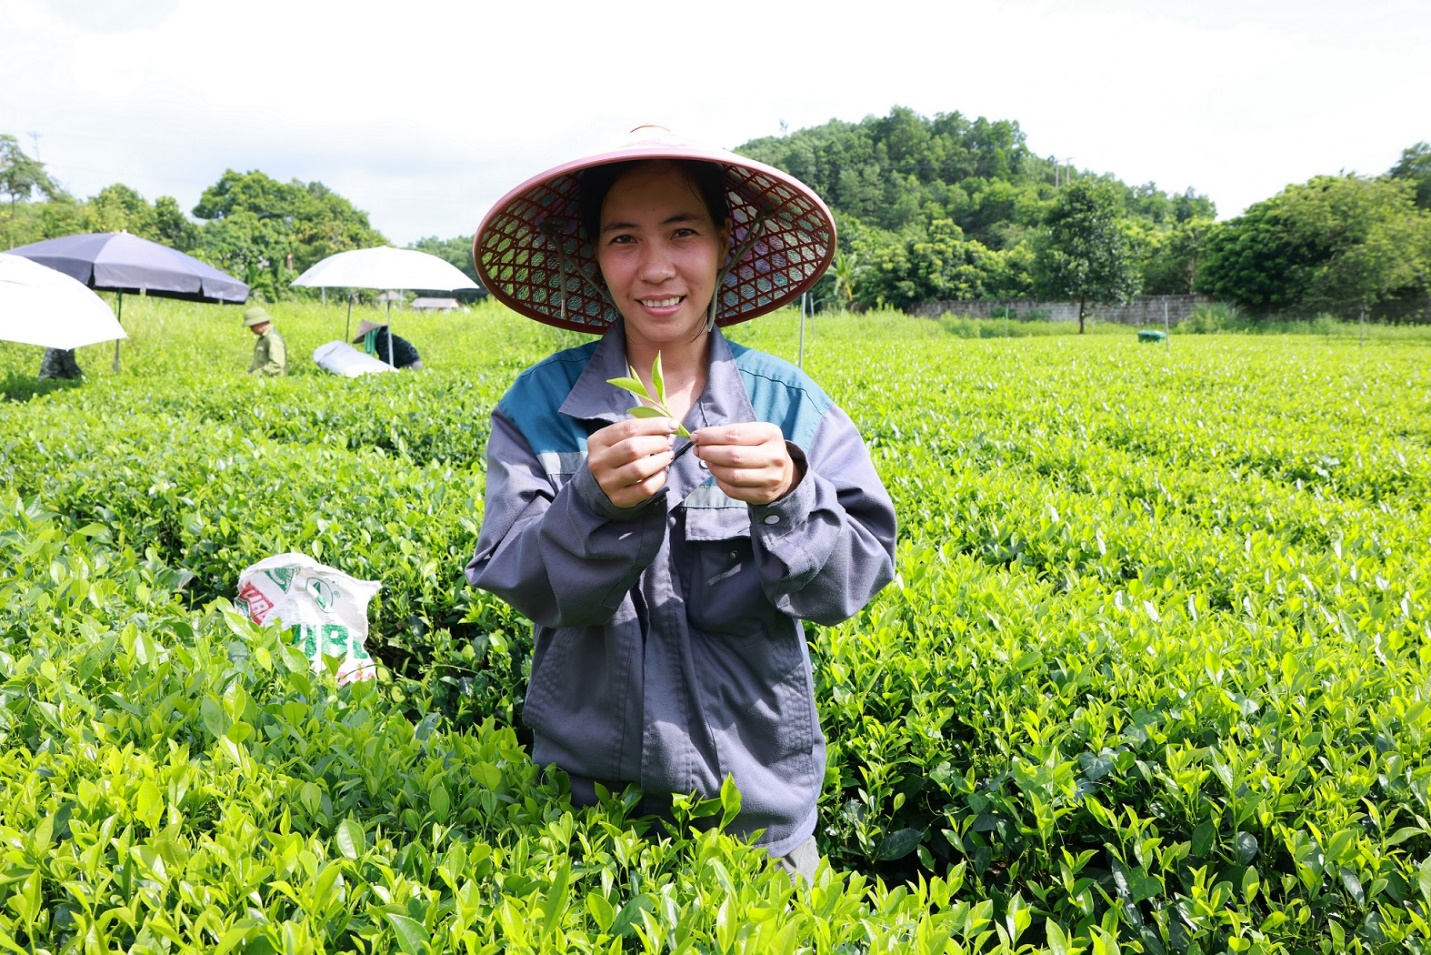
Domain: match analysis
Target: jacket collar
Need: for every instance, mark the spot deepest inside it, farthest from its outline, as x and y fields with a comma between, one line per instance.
x=723, y=401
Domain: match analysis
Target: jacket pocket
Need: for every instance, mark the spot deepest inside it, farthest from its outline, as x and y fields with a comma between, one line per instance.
x=578, y=693
x=758, y=701
x=722, y=584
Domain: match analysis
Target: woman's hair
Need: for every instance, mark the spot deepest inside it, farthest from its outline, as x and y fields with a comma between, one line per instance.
x=596, y=182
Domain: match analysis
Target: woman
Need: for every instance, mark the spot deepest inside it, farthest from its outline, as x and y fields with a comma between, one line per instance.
x=379, y=341
x=667, y=588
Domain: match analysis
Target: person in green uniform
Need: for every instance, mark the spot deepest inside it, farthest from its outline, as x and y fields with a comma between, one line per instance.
x=269, y=355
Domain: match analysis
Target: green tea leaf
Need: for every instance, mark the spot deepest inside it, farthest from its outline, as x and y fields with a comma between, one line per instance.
x=412, y=934
x=632, y=385
x=658, y=380
x=352, y=841
x=556, y=900
x=1058, y=940
x=600, y=909
x=899, y=844
x=440, y=802
x=1247, y=847
x=1353, y=886
x=658, y=404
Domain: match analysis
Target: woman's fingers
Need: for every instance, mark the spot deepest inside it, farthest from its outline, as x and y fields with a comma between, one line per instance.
x=749, y=461
x=629, y=458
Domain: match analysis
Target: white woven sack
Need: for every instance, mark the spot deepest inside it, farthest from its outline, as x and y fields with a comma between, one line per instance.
x=327, y=609
x=343, y=359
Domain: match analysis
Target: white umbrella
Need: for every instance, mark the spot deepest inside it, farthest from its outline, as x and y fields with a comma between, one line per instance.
x=40, y=306
x=385, y=268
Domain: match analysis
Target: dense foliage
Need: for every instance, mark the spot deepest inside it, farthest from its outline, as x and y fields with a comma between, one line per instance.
x=950, y=208
x=928, y=210
x=1336, y=244
x=267, y=232
x=261, y=231
x=1415, y=165
x=1153, y=676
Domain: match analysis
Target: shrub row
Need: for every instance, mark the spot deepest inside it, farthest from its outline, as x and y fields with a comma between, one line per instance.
x=1152, y=678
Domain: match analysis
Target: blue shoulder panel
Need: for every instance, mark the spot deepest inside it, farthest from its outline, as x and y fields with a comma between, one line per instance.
x=782, y=394
x=531, y=403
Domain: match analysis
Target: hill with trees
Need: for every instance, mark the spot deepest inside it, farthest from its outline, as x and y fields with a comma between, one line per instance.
x=953, y=208
x=929, y=210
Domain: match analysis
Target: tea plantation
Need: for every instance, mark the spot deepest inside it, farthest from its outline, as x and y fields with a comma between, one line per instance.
x=1155, y=675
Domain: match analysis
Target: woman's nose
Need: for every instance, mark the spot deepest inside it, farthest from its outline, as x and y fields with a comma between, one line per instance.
x=656, y=265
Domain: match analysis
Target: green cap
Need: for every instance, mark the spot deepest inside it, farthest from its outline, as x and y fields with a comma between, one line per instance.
x=255, y=316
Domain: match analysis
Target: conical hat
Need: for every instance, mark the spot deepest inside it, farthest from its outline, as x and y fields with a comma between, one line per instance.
x=534, y=256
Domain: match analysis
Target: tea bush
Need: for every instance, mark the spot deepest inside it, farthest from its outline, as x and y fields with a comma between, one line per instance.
x=1153, y=676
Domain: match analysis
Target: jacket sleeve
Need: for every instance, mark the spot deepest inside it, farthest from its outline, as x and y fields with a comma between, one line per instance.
x=826, y=548
x=563, y=557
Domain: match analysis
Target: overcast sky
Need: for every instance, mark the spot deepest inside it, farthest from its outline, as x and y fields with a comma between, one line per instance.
x=422, y=113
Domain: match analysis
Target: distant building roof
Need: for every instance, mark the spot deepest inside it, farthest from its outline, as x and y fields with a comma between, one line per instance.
x=433, y=304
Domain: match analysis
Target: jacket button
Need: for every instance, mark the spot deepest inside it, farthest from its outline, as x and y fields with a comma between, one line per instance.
x=772, y=518
x=705, y=466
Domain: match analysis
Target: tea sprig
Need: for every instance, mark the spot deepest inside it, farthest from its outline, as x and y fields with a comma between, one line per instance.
x=655, y=406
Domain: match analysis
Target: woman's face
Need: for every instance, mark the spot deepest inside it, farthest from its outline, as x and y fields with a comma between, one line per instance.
x=659, y=252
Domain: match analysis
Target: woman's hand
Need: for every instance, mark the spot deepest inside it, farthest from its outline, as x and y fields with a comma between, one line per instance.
x=750, y=461
x=629, y=458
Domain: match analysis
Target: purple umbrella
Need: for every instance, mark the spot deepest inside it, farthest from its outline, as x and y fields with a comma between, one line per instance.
x=120, y=262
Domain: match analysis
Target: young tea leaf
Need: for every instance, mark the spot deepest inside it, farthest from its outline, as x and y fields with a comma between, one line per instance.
x=657, y=404
x=632, y=384
x=658, y=380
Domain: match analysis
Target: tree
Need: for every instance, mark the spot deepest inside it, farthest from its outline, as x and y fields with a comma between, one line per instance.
x=1415, y=165
x=268, y=231
x=172, y=227
x=1084, y=254
x=1334, y=243
x=946, y=266
x=1174, y=256
x=20, y=176
x=118, y=208
x=846, y=270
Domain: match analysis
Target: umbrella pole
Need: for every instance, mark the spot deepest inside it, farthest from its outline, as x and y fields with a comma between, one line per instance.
x=120, y=318
x=390, y=333
x=348, y=322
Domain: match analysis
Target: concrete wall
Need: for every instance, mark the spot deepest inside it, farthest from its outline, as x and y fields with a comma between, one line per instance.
x=1142, y=310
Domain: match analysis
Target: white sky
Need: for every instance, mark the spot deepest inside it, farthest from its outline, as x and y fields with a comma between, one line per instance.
x=423, y=113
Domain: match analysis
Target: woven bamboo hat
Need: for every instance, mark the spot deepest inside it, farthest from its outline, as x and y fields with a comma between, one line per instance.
x=534, y=256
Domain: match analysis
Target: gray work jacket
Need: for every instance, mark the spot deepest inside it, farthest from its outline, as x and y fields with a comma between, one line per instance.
x=669, y=649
